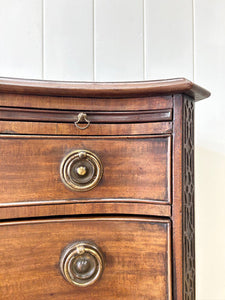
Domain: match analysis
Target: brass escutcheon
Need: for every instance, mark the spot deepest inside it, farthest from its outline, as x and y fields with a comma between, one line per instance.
x=81, y=170
x=81, y=263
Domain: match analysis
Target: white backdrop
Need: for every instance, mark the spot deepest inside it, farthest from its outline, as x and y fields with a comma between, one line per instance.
x=119, y=40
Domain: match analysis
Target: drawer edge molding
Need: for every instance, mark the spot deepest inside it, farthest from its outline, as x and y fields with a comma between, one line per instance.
x=94, y=117
x=33, y=211
x=68, y=129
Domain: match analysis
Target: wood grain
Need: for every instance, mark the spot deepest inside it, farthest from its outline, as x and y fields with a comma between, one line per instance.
x=177, y=198
x=136, y=252
x=102, y=89
x=148, y=170
x=134, y=167
x=183, y=199
x=51, y=128
x=24, y=114
x=68, y=208
x=91, y=104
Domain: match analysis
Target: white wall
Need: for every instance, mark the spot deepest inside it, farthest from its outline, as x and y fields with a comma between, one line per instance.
x=116, y=40
x=210, y=148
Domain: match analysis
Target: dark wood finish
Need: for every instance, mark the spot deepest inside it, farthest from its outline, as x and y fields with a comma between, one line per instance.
x=31, y=166
x=183, y=199
x=80, y=104
x=21, y=114
x=103, y=89
x=82, y=207
x=143, y=135
x=188, y=222
x=44, y=128
x=177, y=199
x=136, y=253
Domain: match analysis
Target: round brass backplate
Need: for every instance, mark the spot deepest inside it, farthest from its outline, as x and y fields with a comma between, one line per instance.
x=81, y=263
x=81, y=170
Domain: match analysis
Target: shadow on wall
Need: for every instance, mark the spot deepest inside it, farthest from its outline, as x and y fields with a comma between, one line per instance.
x=210, y=223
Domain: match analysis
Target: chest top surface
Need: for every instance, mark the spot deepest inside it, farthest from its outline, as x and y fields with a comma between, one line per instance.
x=103, y=89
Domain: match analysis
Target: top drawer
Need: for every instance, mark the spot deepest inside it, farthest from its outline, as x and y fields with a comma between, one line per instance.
x=69, y=122
x=91, y=103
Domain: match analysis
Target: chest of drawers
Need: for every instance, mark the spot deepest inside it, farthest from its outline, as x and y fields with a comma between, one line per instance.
x=97, y=190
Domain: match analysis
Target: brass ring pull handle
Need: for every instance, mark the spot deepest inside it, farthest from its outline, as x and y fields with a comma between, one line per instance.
x=81, y=170
x=82, y=117
x=81, y=263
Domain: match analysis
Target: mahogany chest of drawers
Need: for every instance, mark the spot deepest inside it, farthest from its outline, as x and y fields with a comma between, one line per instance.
x=97, y=190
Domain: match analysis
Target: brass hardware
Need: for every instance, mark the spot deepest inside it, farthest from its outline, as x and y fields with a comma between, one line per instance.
x=81, y=170
x=82, y=117
x=81, y=263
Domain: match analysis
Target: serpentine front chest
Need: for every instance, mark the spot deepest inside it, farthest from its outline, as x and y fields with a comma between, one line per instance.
x=97, y=190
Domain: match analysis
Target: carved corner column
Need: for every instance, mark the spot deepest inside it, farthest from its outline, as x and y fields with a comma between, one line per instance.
x=183, y=199
x=188, y=201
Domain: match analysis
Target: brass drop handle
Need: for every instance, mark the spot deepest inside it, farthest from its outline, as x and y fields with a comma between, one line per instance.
x=81, y=263
x=81, y=170
x=82, y=117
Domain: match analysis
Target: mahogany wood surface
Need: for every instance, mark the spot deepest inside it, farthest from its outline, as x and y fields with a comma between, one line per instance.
x=20, y=114
x=80, y=104
x=141, y=213
x=183, y=215
x=63, y=208
x=134, y=168
x=44, y=128
x=103, y=89
x=177, y=198
x=136, y=251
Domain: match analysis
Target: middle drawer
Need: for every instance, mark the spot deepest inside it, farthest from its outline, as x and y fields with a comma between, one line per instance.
x=136, y=168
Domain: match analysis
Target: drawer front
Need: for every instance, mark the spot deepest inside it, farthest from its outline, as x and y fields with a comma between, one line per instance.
x=134, y=169
x=135, y=254
x=51, y=128
x=84, y=103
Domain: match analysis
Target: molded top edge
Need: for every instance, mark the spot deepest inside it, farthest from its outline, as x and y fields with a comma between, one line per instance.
x=103, y=89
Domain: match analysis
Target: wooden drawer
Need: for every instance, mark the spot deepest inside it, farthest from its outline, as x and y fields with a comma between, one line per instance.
x=135, y=168
x=136, y=255
x=70, y=122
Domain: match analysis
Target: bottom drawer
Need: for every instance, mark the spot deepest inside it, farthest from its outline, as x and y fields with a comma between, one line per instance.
x=134, y=255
